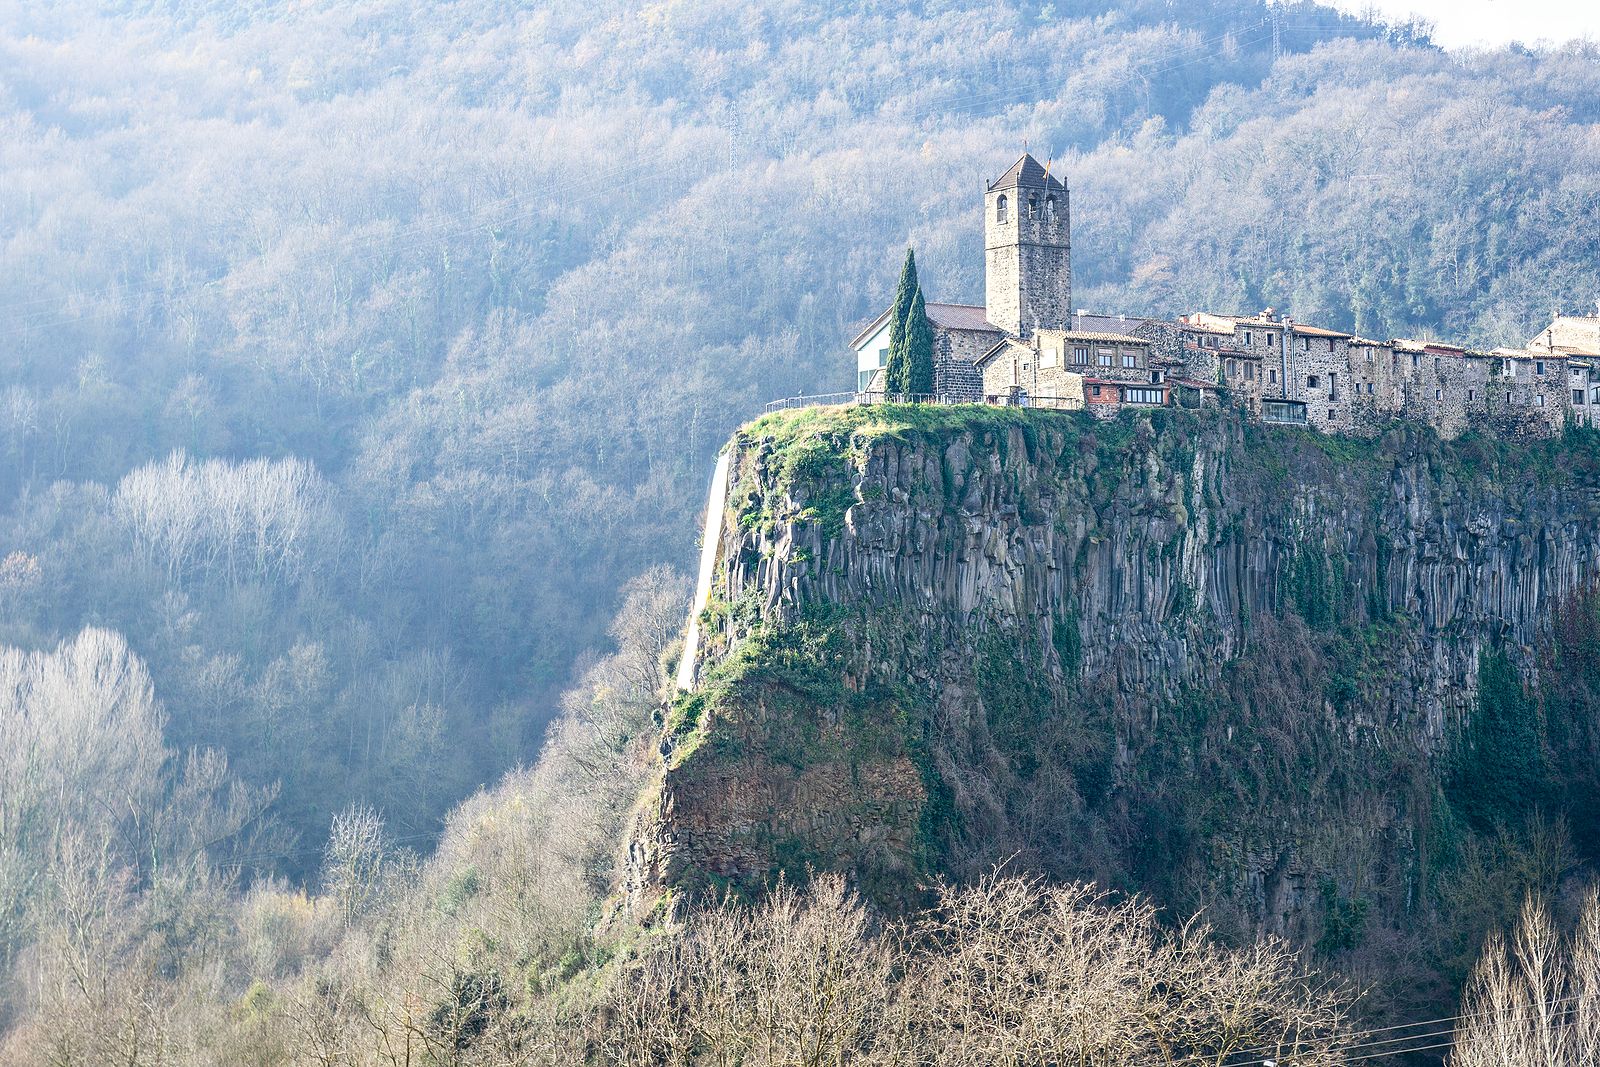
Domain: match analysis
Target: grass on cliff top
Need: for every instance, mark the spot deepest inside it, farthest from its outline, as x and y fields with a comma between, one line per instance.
x=1572, y=457
x=864, y=424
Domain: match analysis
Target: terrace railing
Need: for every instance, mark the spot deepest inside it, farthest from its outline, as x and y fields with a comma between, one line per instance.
x=805, y=400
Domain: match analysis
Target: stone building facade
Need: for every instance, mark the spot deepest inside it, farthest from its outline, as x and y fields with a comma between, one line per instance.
x=1027, y=250
x=1102, y=372
x=1027, y=345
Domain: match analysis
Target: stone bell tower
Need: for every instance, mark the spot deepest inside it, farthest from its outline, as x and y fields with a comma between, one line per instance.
x=1027, y=240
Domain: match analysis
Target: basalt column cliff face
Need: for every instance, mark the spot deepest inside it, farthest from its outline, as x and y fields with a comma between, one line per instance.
x=1311, y=685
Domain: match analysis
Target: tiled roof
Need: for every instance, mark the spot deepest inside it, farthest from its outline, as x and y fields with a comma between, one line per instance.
x=961, y=317
x=1105, y=323
x=1113, y=338
x=950, y=316
x=1241, y=320
x=1027, y=171
x=1003, y=343
x=1315, y=331
x=1259, y=323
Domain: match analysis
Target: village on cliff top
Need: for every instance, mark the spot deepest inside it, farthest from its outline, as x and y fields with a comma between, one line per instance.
x=1027, y=347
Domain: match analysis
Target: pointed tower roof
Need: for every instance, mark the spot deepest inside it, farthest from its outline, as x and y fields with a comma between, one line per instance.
x=1027, y=173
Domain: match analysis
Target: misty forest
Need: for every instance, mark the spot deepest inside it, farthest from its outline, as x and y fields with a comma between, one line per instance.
x=362, y=367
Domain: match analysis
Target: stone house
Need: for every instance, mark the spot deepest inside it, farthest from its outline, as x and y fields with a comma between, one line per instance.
x=1026, y=345
x=1027, y=285
x=1072, y=369
x=960, y=335
x=1577, y=338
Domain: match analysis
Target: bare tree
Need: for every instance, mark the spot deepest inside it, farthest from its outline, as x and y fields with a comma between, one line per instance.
x=355, y=861
x=1535, y=1001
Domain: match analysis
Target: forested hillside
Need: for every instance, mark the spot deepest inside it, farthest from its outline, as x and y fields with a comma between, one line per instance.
x=355, y=355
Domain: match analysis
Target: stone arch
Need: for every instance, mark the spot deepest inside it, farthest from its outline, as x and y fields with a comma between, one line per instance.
x=1000, y=206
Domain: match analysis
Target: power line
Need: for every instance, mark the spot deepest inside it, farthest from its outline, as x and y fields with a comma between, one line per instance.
x=1272, y=1053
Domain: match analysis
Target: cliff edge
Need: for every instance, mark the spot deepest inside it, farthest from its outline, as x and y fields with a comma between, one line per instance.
x=1341, y=691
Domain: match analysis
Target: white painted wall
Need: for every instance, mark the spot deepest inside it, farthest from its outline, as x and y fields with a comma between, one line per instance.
x=872, y=354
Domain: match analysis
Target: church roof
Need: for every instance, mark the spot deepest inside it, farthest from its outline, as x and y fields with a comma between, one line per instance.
x=961, y=317
x=1027, y=172
x=947, y=316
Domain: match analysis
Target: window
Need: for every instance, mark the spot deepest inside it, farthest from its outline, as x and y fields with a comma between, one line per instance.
x=1416, y=361
x=1141, y=396
x=1438, y=365
x=1287, y=411
x=864, y=379
x=1048, y=358
x=883, y=357
x=1539, y=400
x=1000, y=214
x=1249, y=372
x=1050, y=206
x=1033, y=206
x=1333, y=414
x=1080, y=356
x=1232, y=370
x=1156, y=377
x=1272, y=375
x=1249, y=338
x=1096, y=391
x=1438, y=394
x=1577, y=397
x=1472, y=394
x=1511, y=368
x=1312, y=381
x=1333, y=386
x=1369, y=388
x=1538, y=366
x=1129, y=358
x=1305, y=344
x=1103, y=356
x=1330, y=344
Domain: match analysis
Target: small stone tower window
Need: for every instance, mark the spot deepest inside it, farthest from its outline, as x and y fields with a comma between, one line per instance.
x=1050, y=206
x=1000, y=208
x=1033, y=206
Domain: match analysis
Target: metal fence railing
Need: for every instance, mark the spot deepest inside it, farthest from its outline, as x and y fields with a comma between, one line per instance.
x=820, y=399
x=1023, y=400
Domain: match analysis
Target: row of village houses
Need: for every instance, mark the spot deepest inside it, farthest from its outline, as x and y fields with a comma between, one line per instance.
x=1279, y=370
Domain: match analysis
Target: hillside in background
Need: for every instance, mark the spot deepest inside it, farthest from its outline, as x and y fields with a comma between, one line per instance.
x=355, y=355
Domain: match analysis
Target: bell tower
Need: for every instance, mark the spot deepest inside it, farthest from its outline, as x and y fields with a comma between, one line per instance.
x=1027, y=241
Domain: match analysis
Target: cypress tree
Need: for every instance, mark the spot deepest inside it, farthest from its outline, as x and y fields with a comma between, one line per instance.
x=919, y=347
x=897, y=371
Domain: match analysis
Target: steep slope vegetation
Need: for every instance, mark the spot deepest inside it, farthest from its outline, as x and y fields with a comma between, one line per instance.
x=1339, y=691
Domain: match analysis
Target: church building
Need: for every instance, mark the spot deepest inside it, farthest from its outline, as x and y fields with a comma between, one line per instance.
x=1027, y=244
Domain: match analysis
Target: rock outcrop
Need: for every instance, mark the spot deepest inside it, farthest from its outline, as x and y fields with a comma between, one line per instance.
x=1233, y=667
